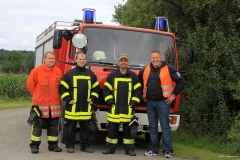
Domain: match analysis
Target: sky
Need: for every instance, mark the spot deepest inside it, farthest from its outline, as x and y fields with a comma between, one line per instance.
x=21, y=21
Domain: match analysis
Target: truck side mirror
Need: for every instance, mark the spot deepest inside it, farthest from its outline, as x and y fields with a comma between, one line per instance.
x=57, y=39
x=67, y=35
x=190, y=56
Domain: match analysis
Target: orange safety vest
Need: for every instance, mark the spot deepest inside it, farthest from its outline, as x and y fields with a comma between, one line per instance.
x=167, y=83
x=43, y=83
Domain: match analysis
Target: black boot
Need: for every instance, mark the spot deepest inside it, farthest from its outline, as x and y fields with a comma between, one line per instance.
x=108, y=151
x=131, y=153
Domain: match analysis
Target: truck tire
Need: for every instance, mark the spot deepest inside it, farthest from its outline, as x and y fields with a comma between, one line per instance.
x=147, y=136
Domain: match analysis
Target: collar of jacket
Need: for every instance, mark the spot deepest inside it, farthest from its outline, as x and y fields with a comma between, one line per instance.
x=47, y=68
x=80, y=69
x=119, y=73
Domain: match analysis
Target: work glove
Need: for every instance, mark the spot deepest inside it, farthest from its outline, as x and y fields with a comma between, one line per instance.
x=133, y=126
x=38, y=122
x=93, y=124
x=94, y=108
x=35, y=115
x=133, y=130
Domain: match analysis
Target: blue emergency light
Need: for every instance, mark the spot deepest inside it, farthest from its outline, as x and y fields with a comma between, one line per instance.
x=161, y=24
x=89, y=15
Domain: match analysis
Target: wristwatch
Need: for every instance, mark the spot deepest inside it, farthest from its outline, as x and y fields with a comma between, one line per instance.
x=173, y=95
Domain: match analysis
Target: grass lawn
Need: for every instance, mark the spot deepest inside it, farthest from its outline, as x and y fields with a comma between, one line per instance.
x=189, y=152
x=14, y=104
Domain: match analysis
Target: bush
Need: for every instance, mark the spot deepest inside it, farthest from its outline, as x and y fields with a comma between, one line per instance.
x=211, y=98
x=13, y=85
x=234, y=134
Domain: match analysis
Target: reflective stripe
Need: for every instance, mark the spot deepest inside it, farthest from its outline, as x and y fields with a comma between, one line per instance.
x=82, y=77
x=108, y=85
x=113, y=115
x=128, y=141
x=112, y=141
x=52, y=138
x=136, y=99
x=36, y=111
x=56, y=113
x=44, y=110
x=124, y=120
x=108, y=97
x=169, y=86
x=121, y=117
x=72, y=114
x=113, y=120
x=117, y=80
x=65, y=94
x=35, y=138
x=43, y=107
x=167, y=93
x=94, y=94
x=136, y=86
x=55, y=107
x=45, y=113
x=64, y=84
x=77, y=117
x=125, y=116
x=95, y=84
x=78, y=113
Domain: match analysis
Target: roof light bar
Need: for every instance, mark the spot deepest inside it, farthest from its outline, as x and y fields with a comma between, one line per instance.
x=89, y=15
x=162, y=24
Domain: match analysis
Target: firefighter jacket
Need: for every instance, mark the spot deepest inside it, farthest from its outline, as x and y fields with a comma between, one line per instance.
x=79, y=84
x=160, y=83
x=43, y=82
x=122, y=92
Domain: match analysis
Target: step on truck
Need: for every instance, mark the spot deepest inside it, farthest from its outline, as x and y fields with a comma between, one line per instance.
x=103, y=44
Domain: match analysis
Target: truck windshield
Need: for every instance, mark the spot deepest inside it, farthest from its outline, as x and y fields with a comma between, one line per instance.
x=106, y=45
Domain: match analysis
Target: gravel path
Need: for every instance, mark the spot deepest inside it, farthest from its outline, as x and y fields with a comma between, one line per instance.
x=15, y=138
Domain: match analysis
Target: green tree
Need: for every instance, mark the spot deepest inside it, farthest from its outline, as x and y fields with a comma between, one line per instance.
x=28, y=62
x=137, y=13
x=3, y=54
x=211, y=97
x=12, y=62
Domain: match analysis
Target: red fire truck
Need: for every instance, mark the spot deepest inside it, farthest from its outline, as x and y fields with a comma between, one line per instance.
x=103, y=44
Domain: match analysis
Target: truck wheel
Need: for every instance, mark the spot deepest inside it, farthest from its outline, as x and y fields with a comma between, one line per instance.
x=147, y=136
x=62, y=129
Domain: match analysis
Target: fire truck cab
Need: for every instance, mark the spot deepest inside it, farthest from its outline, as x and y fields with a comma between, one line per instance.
x=103, y=44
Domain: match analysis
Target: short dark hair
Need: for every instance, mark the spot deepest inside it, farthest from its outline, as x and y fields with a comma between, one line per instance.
x=78, y=53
